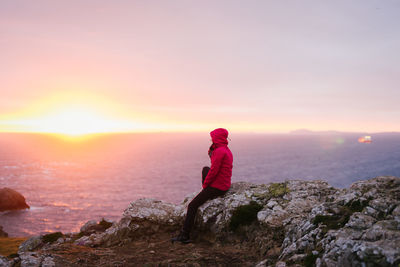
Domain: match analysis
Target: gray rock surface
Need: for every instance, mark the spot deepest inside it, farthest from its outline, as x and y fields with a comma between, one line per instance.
x=30, y=244
x=30, y=259
x=357, y=227
x=4, y=262
x=87, y=226
x=48, y=262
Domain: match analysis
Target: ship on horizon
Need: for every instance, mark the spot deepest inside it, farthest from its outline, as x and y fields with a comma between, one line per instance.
x=365, y=139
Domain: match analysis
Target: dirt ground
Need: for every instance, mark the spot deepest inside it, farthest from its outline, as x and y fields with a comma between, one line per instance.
x=156, y=252
x=9, y=245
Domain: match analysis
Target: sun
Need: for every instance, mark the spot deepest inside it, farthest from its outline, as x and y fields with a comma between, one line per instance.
x=72, y=114
x=77, y=115
x=76, y=122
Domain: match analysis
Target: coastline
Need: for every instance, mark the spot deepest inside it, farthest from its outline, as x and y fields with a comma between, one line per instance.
x=294, y=223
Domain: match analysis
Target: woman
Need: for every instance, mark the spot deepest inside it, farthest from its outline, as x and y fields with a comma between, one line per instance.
x=216, y=180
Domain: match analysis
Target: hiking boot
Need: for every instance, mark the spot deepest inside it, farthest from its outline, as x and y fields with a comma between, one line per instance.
x=182, y=237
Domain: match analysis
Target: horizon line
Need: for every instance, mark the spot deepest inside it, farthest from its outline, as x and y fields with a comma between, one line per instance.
x=294, y=132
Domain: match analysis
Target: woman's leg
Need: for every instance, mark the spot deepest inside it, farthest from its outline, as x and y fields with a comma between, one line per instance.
x=204, y=173
x=206, y=194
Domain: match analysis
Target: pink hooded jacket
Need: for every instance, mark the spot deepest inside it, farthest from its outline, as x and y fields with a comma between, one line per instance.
x=220, y=172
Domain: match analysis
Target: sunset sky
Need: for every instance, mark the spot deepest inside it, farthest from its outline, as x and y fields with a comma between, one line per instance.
x=250, y=66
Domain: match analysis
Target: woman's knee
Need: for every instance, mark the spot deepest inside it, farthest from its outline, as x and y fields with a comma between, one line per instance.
x=206, y=168
x=193, y=206
x=204, y=172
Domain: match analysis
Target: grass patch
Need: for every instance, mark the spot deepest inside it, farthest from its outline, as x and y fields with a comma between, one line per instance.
x=244, y=215
x=278, y=189
x=50, y=238
x=9, y=245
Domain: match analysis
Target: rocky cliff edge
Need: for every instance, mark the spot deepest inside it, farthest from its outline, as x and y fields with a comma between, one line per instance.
x=295, y=223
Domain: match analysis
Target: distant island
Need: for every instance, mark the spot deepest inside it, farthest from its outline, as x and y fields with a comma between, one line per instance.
x=306, y=131
x=332, y=132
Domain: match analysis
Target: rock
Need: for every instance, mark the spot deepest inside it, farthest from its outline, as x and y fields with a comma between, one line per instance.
x=88, y=226
x=360, y=221
x=30, y=259
x=262, y=263
x=93, y=233
x=2, y=233
x=83, y=241
x=280, y=264
x=4, y=262
x=48, y=262
x=396, y=211
x=11, y=200
x=271, y=204
x=141, y=218
x=30, y=244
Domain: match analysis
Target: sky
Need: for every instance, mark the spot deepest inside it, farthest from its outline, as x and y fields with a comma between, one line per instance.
x=249, y=66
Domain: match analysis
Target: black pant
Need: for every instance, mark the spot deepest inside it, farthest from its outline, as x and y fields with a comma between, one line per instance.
x=204, y=174
x=206, y=194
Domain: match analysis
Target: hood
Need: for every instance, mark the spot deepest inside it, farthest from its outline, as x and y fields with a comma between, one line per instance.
x=219, y=136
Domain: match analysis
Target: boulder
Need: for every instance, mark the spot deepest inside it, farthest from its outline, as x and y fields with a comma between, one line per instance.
x=143, y=217
x=11, y=200
x=31, y=244
x=88, y=226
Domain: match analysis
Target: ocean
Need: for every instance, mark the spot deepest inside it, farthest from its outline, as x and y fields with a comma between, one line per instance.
x=67, y=183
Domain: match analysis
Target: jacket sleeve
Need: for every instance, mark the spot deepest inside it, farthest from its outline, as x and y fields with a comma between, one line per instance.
x=216, y=161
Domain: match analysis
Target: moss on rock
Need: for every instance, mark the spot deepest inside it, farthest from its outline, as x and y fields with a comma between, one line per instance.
x=278, y=189
x=357, y=205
